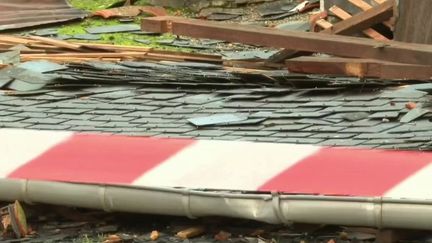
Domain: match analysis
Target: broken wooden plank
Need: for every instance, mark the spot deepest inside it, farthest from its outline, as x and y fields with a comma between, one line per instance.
x=358, y=68
x=57, y=43
x=190, y=232
x=366, y=6
x=352, y=25
x=324, y=24
x=364, y=19
x=304, y=41
x=342, y=14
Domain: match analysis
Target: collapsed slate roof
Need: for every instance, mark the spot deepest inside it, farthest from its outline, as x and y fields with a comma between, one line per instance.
x=25, y=13
x=205, y=101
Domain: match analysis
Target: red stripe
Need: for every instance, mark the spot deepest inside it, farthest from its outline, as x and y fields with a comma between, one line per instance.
x=355, y=172
x=100, y=159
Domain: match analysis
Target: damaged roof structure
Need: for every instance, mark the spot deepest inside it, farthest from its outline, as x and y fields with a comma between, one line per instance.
x=329, y=125
x=25, y=13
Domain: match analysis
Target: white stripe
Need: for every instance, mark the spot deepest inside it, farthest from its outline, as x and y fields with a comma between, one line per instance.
x=417, y=186
x=225, y=165
x=18, y=147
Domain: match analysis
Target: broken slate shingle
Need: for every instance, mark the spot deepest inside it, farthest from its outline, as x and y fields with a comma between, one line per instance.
x=216, y=119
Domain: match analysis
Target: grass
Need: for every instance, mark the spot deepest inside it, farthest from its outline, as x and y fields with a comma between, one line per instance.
x=114, y=38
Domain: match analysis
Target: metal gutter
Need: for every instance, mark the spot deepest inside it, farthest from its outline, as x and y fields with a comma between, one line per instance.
x=272, y=208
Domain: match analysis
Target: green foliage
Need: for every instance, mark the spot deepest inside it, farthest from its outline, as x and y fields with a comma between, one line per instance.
x=115, y=38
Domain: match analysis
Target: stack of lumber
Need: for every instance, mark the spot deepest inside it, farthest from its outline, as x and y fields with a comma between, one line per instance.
x=37, y=48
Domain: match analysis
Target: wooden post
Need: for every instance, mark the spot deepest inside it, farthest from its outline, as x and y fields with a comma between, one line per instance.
x=414, y=22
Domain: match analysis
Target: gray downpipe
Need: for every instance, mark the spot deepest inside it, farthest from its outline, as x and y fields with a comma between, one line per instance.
x=271, y=208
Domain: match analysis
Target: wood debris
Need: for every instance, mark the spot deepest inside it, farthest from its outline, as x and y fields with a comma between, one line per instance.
x=37, y=48
x=154, y=235
x=191, y=232
x=378, y=57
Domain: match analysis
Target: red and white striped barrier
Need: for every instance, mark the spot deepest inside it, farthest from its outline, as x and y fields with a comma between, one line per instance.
x=224, y=165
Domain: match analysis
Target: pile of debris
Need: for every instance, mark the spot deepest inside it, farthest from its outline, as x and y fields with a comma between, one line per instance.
x=366, y=58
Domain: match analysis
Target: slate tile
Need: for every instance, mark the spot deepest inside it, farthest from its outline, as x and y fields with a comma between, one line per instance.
x=354, y=116
x=152, y=120
x=252, y=133
x=334, y=135
x=166, y=125
x=292, y=134
x=242, y=104
x=87, y=123
x=341, y=142
x=9, y=113
x=316, y=114
x=395, y=107
x=50, y=127
x=259, y=139
x=384, y=141
x=67, y=111
x=409, y=94
x=85, y=128
x=240, y=128
x=20, y=102
x=322, y=104
x=343, y=109
x=300, y=140
x=367, y=96
x=298, y=110
x=198, y=99
x=11, y=118
x=413, y=115
x=207, y=133
x=109, y=118
x=384, y=135
x=27, y=109
x=378, y=102
x=169, y=110
x=411, y=146
x=359, y=123
x=74, y=117
x=314, y=121
x=33, y=115
x=129, y=101
x=374, y=129
x=115, y=94
x=52, y=121
x=228, y=138
x=138, y=114
x=14, y=125
x=289, y=127
x=116, y=124
x=107, y=112
x=318, y=128
x=278, y=105
x=217, y=119
x=410, y=128
x=176, y=130
x=163, y=104
x=160, y=96
x=386, y=114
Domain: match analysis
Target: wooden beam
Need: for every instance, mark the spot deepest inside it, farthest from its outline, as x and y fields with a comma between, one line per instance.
x=324, y=24
x=361, y=4
x=303, y=41
x=345, y=16
x=349, y=26
x=358, y=68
